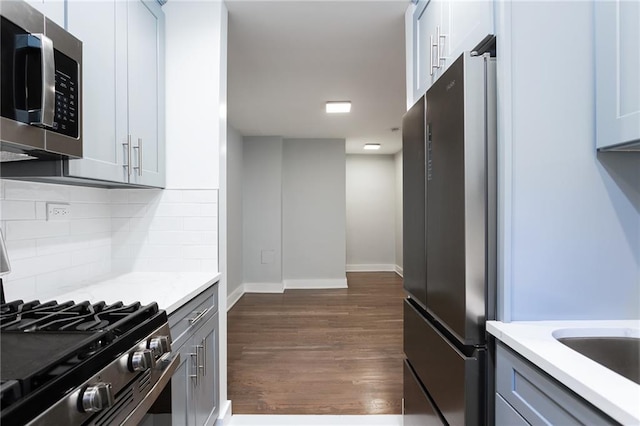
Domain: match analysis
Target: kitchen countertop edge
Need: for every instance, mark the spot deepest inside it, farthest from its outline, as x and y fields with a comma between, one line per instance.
x=606, y=390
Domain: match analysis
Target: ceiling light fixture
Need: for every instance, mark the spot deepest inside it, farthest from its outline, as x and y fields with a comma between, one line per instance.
x=333, y=107
x=372, y=146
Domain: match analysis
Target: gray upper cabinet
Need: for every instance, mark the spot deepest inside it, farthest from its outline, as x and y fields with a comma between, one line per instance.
x=123, y=100
x=104, y=106
x=441, y=31
x=617, y=60
x=145, y=73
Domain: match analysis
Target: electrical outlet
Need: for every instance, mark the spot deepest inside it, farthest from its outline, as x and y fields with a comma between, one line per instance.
x=58, y=211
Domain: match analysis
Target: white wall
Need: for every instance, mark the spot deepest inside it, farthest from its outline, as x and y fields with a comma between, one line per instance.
x=398, y=204
x=313, y=212
x=371, y=212
x=262, y=210
x=196, y=111
x=195, y=43
x=234, y=210
x=569, y=219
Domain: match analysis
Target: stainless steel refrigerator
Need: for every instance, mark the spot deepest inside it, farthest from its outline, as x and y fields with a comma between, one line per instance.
x=449, y=195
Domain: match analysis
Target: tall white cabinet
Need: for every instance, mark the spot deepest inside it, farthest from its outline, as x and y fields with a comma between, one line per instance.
x=617, y=38
x=123, y=99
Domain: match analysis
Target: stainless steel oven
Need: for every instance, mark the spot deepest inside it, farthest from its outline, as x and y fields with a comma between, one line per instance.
x=82, y=363
x=41, y=86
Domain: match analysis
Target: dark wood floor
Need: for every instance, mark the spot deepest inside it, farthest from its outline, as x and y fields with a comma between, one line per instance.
x=318, y=351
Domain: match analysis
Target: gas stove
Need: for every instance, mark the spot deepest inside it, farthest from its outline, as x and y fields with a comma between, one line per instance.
x=81, y=363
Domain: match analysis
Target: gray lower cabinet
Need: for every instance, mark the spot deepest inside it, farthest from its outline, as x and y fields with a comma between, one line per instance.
x=528, y=396
x=195, y=383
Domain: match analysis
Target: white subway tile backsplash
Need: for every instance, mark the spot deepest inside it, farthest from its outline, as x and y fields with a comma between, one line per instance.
x=30, y=229
x=167, y=224
x=209, y=210
x=200, y=252
x=24, y=289
x=171, y=196
x=144, y=196
x=88, y=210
x=110, y=230
x=21, y=249
x=19, y=190
x=90, y=255
x=200, y=224
x=178, y=210
x=159, y=252
x=17, y=210
x=23, y=268
x=120, y=224
x=200, y=196
x=118, y=196
x=90, y=226
x=88, y=195
x=41, y=210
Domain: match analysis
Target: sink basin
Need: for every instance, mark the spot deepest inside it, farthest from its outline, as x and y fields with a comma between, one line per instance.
x=619, y=354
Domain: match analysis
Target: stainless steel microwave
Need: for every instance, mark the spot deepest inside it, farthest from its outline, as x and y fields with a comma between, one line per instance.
x=41, y=86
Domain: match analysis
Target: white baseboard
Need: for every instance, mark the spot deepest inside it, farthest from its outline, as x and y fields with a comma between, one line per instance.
x=263, y=287
x=316, y=283
x=398, y=270
x=371, y=268
x=224, y=419
x=233, y=298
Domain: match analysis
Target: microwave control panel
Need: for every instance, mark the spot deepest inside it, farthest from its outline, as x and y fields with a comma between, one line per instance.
x=67, y=91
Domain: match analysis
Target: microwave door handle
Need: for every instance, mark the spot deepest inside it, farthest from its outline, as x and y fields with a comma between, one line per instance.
x=48, y=82
x=42, y=114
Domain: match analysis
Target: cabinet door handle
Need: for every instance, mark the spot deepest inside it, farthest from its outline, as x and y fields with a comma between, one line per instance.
x=439, y=36
x=199, y=367
x=194, y=376
x=128, y=145
x=431, y=55
x=204, y=357
x=139, y=148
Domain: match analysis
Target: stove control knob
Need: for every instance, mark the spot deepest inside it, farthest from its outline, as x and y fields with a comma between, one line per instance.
x=141, y=360
x=160, y=345
x=96, y=397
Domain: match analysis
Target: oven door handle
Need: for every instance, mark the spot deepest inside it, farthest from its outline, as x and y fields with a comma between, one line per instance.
x=168, y=366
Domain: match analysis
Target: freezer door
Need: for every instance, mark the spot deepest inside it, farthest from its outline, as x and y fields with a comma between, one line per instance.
x=454, y=380
x=418, y=408
x=413, y=199
x=457, y=200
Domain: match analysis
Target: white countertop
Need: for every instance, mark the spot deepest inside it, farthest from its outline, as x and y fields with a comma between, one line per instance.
x=610, y=392
x=169, y=289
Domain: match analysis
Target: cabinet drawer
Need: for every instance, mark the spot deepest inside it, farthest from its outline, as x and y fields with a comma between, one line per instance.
x=418, y=408
x=539, y=398
x=506, y=415
x=181, y=321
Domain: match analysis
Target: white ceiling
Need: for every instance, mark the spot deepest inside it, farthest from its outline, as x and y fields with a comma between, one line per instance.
x=287, y=58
